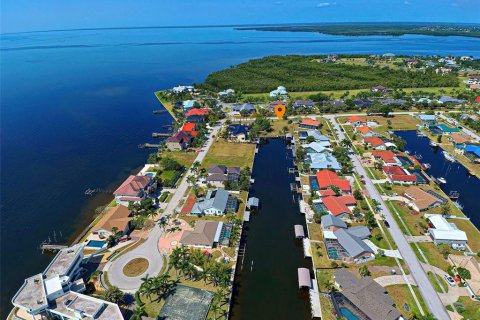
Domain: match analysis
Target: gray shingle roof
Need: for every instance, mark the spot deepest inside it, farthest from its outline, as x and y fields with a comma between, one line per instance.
x=330, y=220
x=352, y=244
x=361, y=232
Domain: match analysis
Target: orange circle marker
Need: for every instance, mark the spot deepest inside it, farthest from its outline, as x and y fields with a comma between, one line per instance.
x=279, y=111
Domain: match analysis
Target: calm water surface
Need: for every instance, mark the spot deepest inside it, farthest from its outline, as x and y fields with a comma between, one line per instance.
x=75, y=105
x=456, y=174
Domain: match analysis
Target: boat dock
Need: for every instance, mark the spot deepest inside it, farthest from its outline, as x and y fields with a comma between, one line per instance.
x=149, y=146
x=51, y=247
x=159, y=111
x=160, y=135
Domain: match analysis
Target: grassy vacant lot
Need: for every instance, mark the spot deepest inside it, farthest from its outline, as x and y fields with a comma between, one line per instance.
x=401, y=295
x=398, y=122
x=433, y=255
x=328, y=311
x=315, y=231
x=320, y=257
x=135, y=267
x=185, y=158
x=230, y=154
x=168, y=105
x=323, y=278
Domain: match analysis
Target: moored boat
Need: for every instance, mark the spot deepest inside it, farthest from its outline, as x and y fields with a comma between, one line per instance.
x=441, y=180
x=448, y=156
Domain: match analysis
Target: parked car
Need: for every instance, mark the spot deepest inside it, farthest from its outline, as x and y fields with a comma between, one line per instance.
x=124, y=238
x=449, y=280
x=386, y=223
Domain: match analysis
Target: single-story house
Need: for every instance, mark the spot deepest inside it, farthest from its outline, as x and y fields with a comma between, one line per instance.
x=387, y=157
x=363, y=103
x=273, y=104
x=309, y=123
x=472, y=151
x=197, y=112
x=428, y=118
x=226, y=92
x=321, y=161
x=206, y=234
x=375, y=142
x=398, y=175
x=195, y=119
x=280, y=91
x=219, y=174
x=398, y=102
x=378, y=89
x=315, y=147
x=248, y=107
x=365, y=131
x=327, y=178
x=179, y=141
x=332, y=223
x=317, y=136
x=133, y=189
x=460, y=139
x=370, y=299
x=443, y=231
x=188, y=104
x=239, y=132
x=190, y=127
x=442, y=129
x=303, y=104
x=355, y=250
x=356, y=121
x=117, y=217
x=449, y=100
x=216, y=202
x=180, y=89
x=421, y=200
x=471, y=264
x=341, y=206
x=337, y=103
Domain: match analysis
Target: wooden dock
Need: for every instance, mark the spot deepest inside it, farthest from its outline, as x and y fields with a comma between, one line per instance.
x=149, y=146
x=159, y=111
x=160, y=135
x=52, y=247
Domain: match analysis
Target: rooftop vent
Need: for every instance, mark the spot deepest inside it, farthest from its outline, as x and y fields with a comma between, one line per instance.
x=39, y=301
x=36, y=280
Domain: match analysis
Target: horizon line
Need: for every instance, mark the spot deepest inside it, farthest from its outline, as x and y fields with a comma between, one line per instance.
x=235, y=25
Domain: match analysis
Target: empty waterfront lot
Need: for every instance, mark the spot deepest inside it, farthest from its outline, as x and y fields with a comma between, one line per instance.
x=230, y=154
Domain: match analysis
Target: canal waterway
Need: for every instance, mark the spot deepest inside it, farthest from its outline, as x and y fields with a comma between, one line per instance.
x=455, y=174
x=266, y=287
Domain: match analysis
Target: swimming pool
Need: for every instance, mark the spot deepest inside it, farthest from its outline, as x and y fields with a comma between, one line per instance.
x=96, y=243
x=332, y=253
x=348, y=314
x=313, y=183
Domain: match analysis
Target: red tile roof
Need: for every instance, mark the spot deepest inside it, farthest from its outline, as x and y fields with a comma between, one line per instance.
x=311, y=122
x=181, y=137
x=187, y=208
x=355, y=119
x=477, y=99
x=133, y=185
x=387, y=156
x=338, y=205
x=190, y=128
x=327, y=192
x=328, y=178
x=363, y=129
x=196, y=112
x=397, y=173
x=374, y=141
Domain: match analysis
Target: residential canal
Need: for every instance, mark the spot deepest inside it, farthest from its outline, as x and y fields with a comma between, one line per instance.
x=267, y=285
x=455, y=174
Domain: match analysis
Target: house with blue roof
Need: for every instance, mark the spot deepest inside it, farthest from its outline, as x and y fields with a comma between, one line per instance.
x=319, y=138
x=472, y=151
x=363, y=103
x=442, y=129
x=216, y=203
x=321, y=161
x=250, y=108
x=449, y=100
x=188, y=104
x=428, y=118
x=238, y=132
x=315, y=147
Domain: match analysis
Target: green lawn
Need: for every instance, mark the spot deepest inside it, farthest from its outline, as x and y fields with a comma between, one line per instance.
x=472, y=308
x=230, y=154
x=401, y=295
x=435, y=284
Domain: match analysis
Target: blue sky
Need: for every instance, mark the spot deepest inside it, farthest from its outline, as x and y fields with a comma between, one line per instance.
x=28, y=15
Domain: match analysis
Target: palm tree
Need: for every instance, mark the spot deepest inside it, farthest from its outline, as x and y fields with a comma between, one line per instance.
x=146, y=288
x=347, y=143
x=151, y=214
x=163, y=222
x=138, y=313
x=215, y=308
x=195, y=166
x=113, y=294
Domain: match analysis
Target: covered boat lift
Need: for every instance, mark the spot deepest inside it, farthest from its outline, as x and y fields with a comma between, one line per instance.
x=299, y=232
x=304, y=280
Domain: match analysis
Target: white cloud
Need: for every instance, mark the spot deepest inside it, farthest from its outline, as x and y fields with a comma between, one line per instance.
x=326, y=4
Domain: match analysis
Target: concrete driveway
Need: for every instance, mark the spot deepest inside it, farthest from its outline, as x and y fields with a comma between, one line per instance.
x=430, y=296
x=149, y=249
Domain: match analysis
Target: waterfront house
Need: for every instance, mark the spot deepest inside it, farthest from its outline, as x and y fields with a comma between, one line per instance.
x=117, y=218
x=460, y=140
x=238, y=132
x=428, y=119
x=472, y=152
x=317, y=137
x=321, y=161
x=57, y=292
x=197, y=112
x=387, y=157
x=181, y=89
x=188, y=104
x=398, y=175
x=421, y=200
x=134, y=189
x=279, y=92
x=340, y=206
x=356, y=121
x=349, y=247
x=471, y=264
x=442, y=231
x=442, y=129
x=375, y=143
x=364, y=298
x=327, y=178
x=179, y=141
x=205, y=235
x=365, y=131
x=216, y=202
x=309, y=123
x=190, y=128
x=195, y=119
x=219, y=174
x=315, y=147
x=303, y=104
x=246, y=107
x=332, y=223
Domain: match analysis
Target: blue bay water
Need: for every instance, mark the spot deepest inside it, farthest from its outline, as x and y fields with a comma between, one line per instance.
x=75, y=105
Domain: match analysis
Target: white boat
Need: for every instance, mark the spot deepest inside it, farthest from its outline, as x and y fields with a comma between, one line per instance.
x=433, y=144
x=458, y=205
x=448, y=156
x=441, y=180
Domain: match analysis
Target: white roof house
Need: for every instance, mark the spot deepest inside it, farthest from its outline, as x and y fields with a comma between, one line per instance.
x=444, y=231
x=280, y=91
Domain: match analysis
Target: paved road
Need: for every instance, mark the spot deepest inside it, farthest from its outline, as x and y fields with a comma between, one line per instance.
x=465, y=130
x=149, y=249
x=430, y=296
